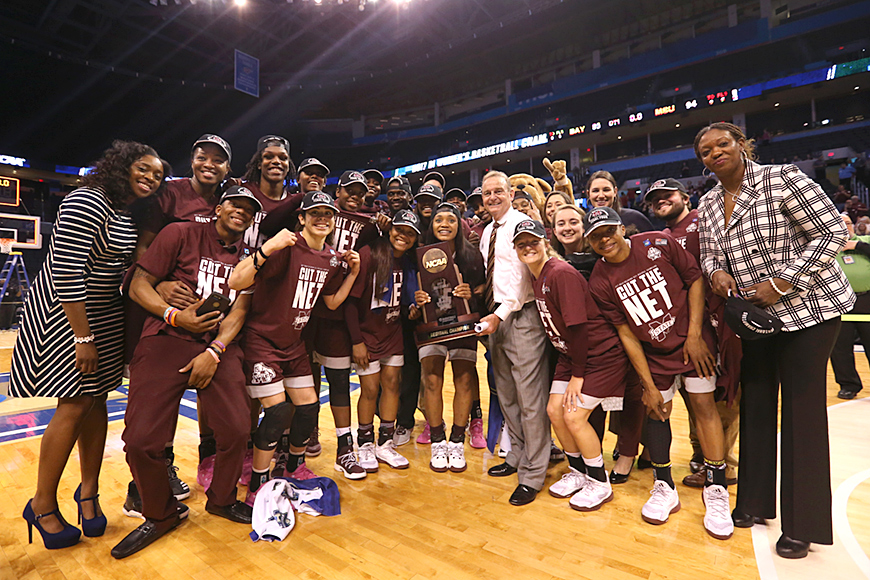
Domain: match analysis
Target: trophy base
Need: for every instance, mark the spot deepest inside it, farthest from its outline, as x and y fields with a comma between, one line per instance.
x=433, y=333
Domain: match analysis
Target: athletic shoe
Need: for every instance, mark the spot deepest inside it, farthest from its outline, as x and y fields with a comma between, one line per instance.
x=367, y=458
x=425, y=438
x=571, y=483
x=133, y=504
x=387, y=453
x=280, y=469
x=247, y=467
x=556, y=454
x=475, y=430
x=346, y=463
x=302, y=473
x=205, y=472
x=593, y=495
x=663, y=502
x=313, y=448
x=401, y=435
x=179, y=489
x=456, y=456
x=717, y=520
x=439, y=462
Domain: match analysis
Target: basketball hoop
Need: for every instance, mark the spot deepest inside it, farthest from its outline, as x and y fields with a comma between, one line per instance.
x=6, y=245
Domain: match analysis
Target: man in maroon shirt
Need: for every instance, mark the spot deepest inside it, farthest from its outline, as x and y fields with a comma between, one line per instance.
x=371, y=203
x=398, y=194
x=182, y=349
x=651, y=289
x=669, y=200
x=265, y=177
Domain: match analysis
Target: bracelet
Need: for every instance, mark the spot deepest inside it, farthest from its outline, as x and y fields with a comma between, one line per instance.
x=775, y=287
x=84, y=339
x=219, y=344
x=169, y=315
x=211, y=351
x=262, y=253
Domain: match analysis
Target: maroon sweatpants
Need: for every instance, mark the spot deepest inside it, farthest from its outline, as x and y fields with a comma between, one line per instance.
x=156, y=389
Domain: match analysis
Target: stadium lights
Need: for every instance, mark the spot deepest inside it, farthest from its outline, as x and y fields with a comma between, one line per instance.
x=241, y=3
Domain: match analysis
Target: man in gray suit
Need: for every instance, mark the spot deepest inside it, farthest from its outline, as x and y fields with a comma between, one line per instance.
x=517, y=343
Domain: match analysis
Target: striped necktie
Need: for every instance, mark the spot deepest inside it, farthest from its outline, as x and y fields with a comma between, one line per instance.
x=490, y=268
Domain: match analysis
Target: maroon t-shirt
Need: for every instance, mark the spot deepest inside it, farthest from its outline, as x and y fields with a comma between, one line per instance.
x=379, y=310
x=352, y=231
x=253, y=236
x=649, y=291
x=287, y=287
x=179, y=202
x=563, y=299
x=686, y=232
x=194, y=254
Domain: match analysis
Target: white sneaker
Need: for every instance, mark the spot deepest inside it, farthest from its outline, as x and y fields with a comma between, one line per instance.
x=401, y=436
x=367, y=458
x=593, y=495
x=387, y=453
x=439, y=462
x=456, y=457
x=663, y=502
x=571, y=483
x=717, y=520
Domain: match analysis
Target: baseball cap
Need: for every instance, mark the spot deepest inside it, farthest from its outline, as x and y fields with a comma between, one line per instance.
x=533, y=227
x=476, y=192
x=598, y=217
x=237, y=191
x=399, y=183
x=436, y=176
x=314, y=199
x=215, y=140
x=430, y=190
x=748, y=321
x=455, y=191
x=666, y=185
x=522, y=195
x=349, y=177
x=273, y=141
x=373, y=173
x=312, y=162
x=405, y=217
x=446, y=206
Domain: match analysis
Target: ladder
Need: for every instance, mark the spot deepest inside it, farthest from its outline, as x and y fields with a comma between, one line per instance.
x=14, y=266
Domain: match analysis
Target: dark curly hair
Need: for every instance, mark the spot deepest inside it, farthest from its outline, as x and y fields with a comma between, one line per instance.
x=748, y=145
x=112, y=171
x=253, y=171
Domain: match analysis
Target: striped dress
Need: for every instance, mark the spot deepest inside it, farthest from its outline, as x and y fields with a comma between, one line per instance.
x=91, y=247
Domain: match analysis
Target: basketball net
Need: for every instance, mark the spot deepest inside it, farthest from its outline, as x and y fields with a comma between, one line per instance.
x=6, y=245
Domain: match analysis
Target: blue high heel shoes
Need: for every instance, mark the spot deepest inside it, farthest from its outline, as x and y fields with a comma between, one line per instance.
x=95, y=526
x=68, y=536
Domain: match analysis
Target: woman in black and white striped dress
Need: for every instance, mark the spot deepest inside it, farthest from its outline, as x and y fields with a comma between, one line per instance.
x=71, y=341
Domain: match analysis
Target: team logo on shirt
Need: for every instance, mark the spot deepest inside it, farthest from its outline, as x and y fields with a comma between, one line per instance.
x=392, y=314
x=262, y=374
x=661, y=242
x=333, y=261
x=645, y=296
x=545, y=289
x=692, y=227
x=654, y=253
x=659, y=330
x=308, y=288
x=301, y=320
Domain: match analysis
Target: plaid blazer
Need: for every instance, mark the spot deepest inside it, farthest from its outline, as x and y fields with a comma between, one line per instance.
x=783, y=226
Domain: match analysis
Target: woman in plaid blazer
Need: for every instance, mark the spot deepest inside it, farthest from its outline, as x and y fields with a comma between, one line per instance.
x=771, y=234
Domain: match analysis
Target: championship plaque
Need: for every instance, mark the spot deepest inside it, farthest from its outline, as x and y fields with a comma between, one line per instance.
x=445, y=317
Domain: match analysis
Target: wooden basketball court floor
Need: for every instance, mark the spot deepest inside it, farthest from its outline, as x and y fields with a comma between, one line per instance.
x=417, y=524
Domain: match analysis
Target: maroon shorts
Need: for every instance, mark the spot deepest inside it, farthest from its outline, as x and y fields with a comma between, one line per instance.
x=330, y=338
x=270, y=370
x=605, y=378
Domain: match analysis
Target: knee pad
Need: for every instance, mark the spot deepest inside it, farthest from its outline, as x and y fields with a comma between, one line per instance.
x=339, y=387
x=304, y=422
x=275, y=420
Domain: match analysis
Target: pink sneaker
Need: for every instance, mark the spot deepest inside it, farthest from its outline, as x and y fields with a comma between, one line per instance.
x=475, y=429
x=425, y=437
x=247, y=467
x=205, y=472
x=302, y=473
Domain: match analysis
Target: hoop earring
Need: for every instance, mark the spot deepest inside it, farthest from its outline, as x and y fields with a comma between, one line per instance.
x=706, y=173
x=744, y=156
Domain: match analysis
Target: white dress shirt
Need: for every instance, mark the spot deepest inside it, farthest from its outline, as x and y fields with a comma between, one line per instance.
x=512, y=280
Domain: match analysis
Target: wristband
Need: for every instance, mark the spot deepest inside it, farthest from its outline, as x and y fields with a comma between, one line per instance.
x=211, y=351
x=84, y=339
x=169, y=316
x=262, y=253
x=219, y=344
x=775, y=287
